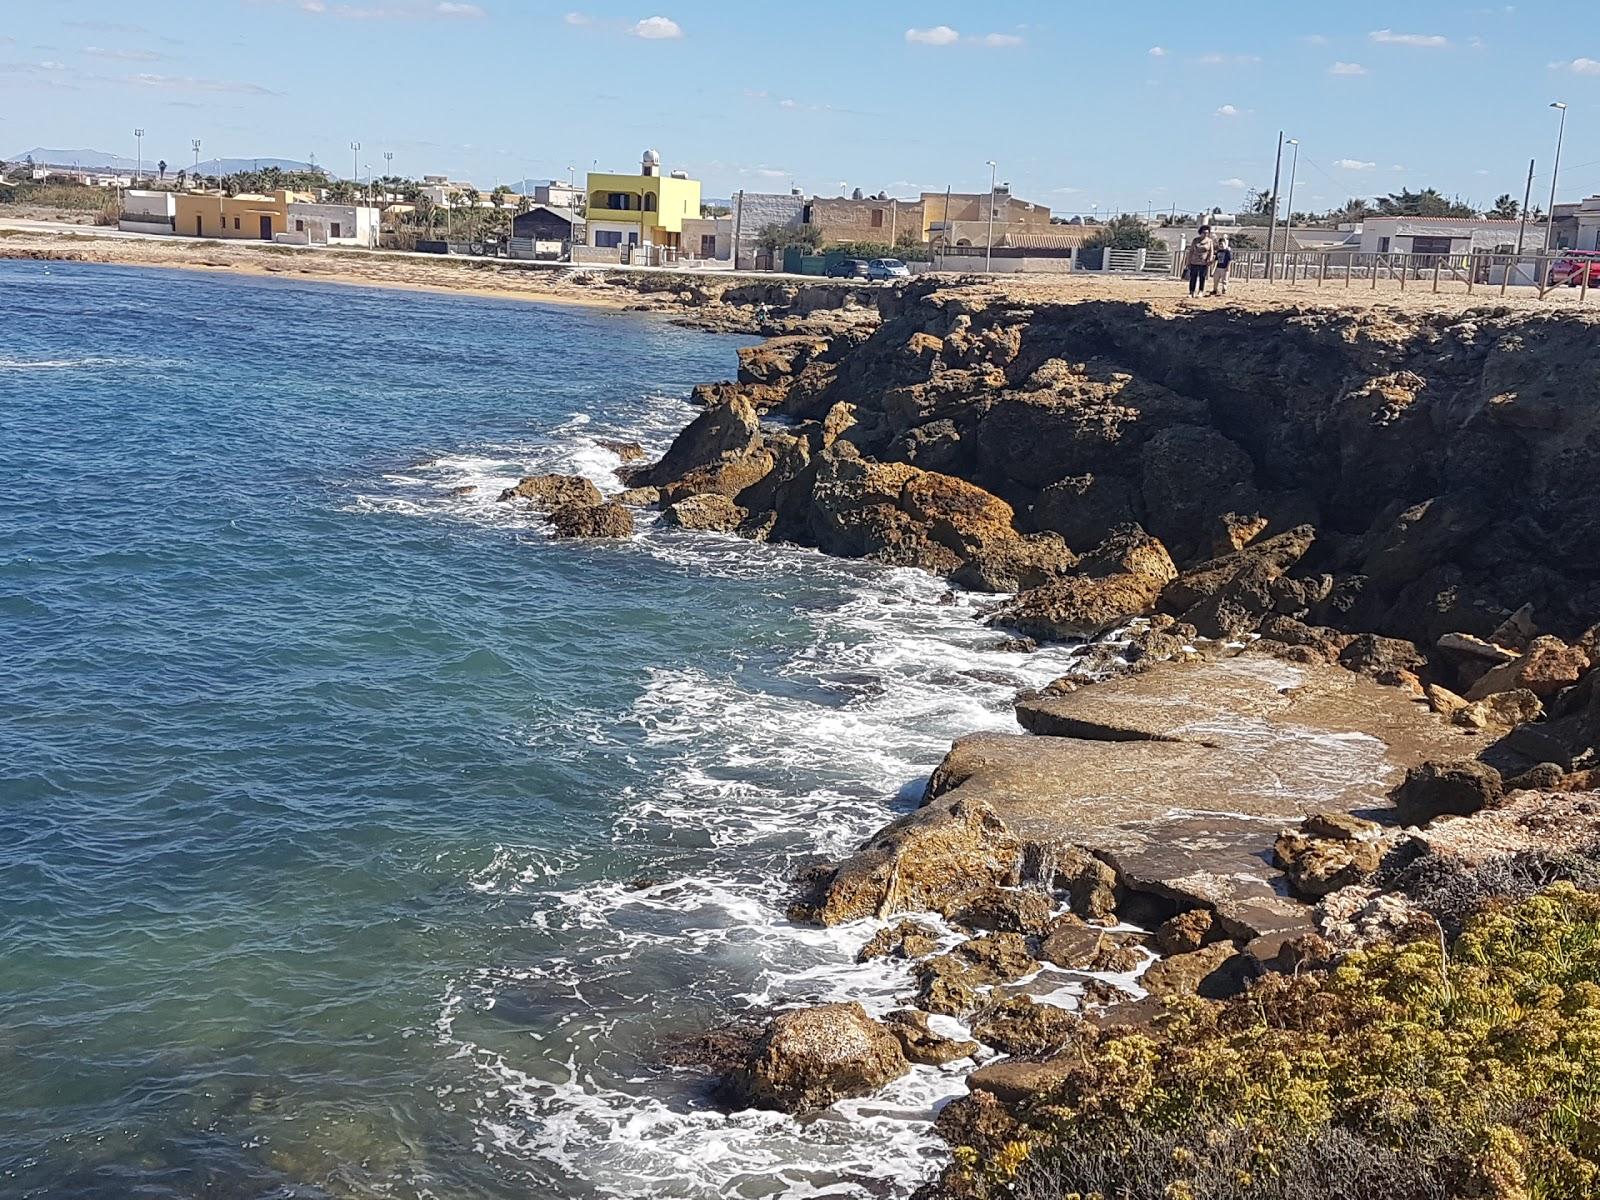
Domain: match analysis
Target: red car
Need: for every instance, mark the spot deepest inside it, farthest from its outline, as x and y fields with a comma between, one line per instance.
x=1570, y=269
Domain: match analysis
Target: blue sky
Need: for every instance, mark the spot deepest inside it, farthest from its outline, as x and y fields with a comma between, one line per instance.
x=1084, y=106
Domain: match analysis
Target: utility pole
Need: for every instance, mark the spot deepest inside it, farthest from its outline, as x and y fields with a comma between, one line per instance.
x=195, y=146
x=1288, y=217
x=388, y=166
x=988, y=253
x=1550, y=213
x=138, y=170
x=1522, y=226
x=738, y=220
x=355, y=164
x=1272, y=224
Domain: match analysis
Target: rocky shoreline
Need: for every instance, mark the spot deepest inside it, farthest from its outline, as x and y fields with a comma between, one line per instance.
x=1337, y=579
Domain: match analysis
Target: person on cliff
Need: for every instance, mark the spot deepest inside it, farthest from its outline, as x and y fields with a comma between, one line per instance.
x=1219, y=286
x=1201, y=253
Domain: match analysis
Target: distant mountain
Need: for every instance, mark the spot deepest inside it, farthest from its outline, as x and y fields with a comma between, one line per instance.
x=100, y=160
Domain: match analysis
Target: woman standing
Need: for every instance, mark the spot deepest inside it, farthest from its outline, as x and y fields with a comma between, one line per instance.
x=1202, y=251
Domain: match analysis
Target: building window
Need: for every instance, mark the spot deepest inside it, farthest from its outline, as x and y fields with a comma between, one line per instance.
x=650, y=202
x=1383, y=245
x=236, y=222
x=334, y=229
x=607, y=238
x=1430, y=245
x=708, y=245
x=299, y=226
x=619, y=201
x=877, y=218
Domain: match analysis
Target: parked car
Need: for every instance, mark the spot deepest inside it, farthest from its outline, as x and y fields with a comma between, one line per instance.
x=849, y=268
x=887, y=268
x=1570, y=269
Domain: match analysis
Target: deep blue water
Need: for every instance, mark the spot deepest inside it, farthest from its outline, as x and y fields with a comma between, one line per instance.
x=356, y=839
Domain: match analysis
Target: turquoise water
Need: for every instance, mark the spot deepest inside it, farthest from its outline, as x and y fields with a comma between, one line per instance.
x=357, y=840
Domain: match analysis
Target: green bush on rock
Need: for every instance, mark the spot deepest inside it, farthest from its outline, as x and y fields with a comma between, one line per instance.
x=1406, y=1073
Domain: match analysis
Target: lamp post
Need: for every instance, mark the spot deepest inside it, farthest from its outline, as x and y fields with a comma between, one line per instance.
x=988, y=253
x=1555, y=171
x=388, y=168
x=355, y=164
x=1288, y=216
x=195, y=146
x=1272, y=223
x=138, y=170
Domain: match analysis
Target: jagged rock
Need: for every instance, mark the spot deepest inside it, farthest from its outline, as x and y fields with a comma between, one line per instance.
x=1184, y=933
x=609, y=520
x=1001, y=910
x=1091, y=885
x=1121, y=580
x=1542, y=822
x=1085, y=509
x=708, y=512
x=919, y=863
x=1100, y=993
x=727, y=431
x=1465, y=645
x=1500, y=711
x=626, y=451
x=1517, y=630
x=904, y=939
x=1261, y=562
x=810, y=1058
x=716, y=1051
x=953, y=982
x=1388, y=660
x=1016, y=1081
x=1436, y=789
x=554, y=491
x=1085, y=948
x=1541, y=777
x=1214, y=971
x=921, y=1044
x=1442, y=700
x=1356, y=917
x=1328, y=852
x=1234, y=531
x=1320, y=643
x=1188, y=473
x=779, y=358
x=1547, y=666
x=1020, y=1025
x=639, y=497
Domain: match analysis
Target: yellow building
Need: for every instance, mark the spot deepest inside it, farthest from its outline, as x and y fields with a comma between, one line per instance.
x=213, y=215
x=641, y=213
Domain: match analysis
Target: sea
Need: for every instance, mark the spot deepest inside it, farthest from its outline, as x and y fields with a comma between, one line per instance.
x=359, y=840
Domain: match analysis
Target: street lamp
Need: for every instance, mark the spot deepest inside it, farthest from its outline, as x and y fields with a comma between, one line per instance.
x=355, y=164
x=195, y=146
x=1288, y=217
x=1272, y=223
x=388, y=167
x=138, y=170
x=1550, y=216
x=988, y=253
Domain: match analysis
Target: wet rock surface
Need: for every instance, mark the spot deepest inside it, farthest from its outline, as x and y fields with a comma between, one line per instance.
x=810, y=1058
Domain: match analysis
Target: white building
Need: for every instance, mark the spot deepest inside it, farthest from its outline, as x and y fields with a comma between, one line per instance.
x=556, y=194
x=1589, y=224
x=331, y=225
x=1445, y=235
x=147, y=212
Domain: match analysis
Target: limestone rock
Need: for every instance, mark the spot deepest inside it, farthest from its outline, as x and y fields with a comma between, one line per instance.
x=1436, y=789
x=1085, y=948
x=627, y=451
x=1271, y=558
x=1002, y=910
x=728, y=430
x=921, y=1044
x=554, y=491
x=905, y=939
x=953, y=982
x=810, y=1058
x=1328, y=852
x=1442, y=700
x=609, y=520
x=1500, y=711
x=1356, y=917
x=707, y=511
x=1387, y=660
x=1215, y=971
x=1546, y=667
x=1020, y=1025
x=1121, y=580
x=1184, y=933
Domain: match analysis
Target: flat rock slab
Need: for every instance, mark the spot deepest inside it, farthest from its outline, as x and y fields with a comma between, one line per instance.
x=1201, y=768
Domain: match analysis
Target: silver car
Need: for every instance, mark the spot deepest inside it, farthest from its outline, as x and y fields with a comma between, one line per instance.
x=887, y=268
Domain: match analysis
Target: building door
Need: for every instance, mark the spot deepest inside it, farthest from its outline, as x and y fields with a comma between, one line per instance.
x=197, y=226
x=266, y=229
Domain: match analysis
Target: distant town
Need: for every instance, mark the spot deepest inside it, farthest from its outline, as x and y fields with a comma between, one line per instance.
x=655, y=216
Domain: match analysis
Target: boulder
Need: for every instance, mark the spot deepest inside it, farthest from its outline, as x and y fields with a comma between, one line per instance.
x=1186, y=932
x=1188, y=474
x=1500, y=711
x=1001, y=910
x=1438, y=789
x=1354, y=918
x=1387, y=660
x=953, y=982
x=1016, y=1081
x=1021, y=1026
x=709, y=512
x=1328, y=852
x=627, y=451
x=919, y=863
x=1085, y=948
x=727, y=430
x=1120, y=581
x=1085, y=509
x=810, y=1058
x=1546, y=667
x=554, y=491
x=1266, y=560
x=608, y=520
x=921, y=1044
x=1215, y=971
x=905, y=939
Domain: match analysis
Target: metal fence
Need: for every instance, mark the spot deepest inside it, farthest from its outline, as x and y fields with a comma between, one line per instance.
x=1460, y=274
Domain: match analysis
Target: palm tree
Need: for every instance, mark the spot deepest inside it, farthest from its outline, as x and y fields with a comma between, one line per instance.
x=162, y=167
x=1505, y=208
x=1353, y=211
x=183, y=175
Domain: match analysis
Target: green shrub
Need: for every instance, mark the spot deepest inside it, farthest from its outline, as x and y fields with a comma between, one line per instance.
x=1482, y=1064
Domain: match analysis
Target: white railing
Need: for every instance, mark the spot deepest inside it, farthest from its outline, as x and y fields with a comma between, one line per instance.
x=1480, y=271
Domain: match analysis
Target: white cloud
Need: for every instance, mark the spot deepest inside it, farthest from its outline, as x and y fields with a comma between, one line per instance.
x=578, y=18
x=187, y=83
x=1353, y=164
x=123, y=55
x=656, y=29
x=1314, y=39
x=1347, y=68
x=1227, y=110
x=1429, y=41
x=407, y=10
x=1067, y=191
x=939, y=35
x=1001, y=41
x=1228, y=60
x=1579, y=66
x=1157, y=52
x=788, y=104
x=49, y=65
x=1235, y=182
x=448, y=8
